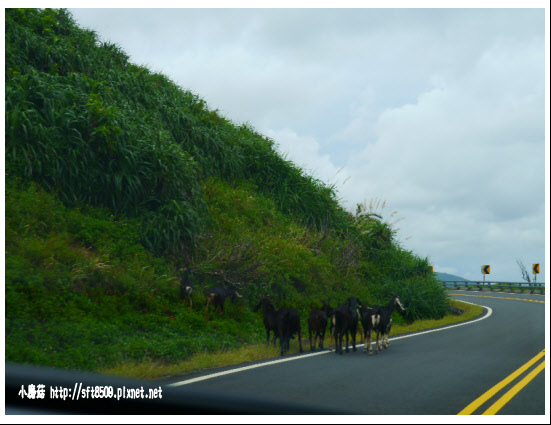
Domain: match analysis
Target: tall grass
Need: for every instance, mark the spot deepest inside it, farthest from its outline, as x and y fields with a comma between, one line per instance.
x=423, y=298
x=83, y=121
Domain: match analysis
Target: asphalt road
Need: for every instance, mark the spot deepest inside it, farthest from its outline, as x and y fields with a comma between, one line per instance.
x=435, y=373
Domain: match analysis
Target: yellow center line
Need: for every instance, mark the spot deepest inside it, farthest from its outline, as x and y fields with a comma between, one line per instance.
x=494, y=408
x=492, y=391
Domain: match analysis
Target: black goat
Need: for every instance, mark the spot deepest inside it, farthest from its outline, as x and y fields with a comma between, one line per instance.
x=270, y=318
x=345, y=322
x=385, y=321
x=186, y=287
x=217, y=296
x=317, y=324
x=288, y=320
x=369, y=318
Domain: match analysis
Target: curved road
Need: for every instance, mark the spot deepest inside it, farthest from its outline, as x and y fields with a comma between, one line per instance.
x=490, y=366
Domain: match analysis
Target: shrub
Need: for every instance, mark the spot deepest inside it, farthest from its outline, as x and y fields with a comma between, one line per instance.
x=422, y=298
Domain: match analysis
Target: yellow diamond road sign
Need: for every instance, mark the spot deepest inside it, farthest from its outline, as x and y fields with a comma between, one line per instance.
x=486, y=269
x=536, y=268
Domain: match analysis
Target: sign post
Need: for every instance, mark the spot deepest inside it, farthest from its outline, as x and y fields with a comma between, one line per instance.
x=535, y=270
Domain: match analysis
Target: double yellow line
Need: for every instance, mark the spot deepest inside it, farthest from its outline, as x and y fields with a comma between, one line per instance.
x=503, y=400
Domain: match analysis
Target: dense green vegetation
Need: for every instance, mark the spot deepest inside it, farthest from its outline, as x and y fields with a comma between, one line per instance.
x=117, y=179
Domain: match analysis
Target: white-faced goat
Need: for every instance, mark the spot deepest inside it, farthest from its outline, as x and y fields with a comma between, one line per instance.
x=369, y=318
x=270, y=315
x=288, y=324
x=186, y=287
x=345, y=322
x=217, y=296
x=317, y=324
x=385, y=321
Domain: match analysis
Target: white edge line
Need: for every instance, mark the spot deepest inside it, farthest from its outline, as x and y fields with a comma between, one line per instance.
x=488, y=314
x=303, y=356
x=241, y=369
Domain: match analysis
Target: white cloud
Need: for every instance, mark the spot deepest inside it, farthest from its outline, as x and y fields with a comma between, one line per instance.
x=305, y=152
x=465, y=162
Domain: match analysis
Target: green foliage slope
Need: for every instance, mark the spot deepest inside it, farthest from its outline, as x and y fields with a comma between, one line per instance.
x=117, y=179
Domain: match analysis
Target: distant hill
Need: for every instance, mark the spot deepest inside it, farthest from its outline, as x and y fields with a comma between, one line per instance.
x=446, y=277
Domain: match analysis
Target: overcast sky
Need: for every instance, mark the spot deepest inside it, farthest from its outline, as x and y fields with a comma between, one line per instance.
x=440, y=113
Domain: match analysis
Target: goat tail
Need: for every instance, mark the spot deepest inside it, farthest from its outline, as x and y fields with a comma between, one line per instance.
x=335, y=318
x=332, y=332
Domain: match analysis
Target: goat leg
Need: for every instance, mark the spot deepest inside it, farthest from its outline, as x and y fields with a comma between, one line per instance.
x=388, y=334
x=346, y=335
x=368, y=344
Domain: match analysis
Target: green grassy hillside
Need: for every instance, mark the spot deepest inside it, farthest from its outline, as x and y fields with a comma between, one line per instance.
x=117, y=180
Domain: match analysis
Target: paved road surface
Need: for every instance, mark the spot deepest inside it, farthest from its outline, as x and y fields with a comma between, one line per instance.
x=441, y=372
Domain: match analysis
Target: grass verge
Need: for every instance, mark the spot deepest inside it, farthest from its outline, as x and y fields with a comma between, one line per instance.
x=470, y=311
x=148, y=369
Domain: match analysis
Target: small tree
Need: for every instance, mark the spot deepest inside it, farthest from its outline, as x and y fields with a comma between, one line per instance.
x=525, y=274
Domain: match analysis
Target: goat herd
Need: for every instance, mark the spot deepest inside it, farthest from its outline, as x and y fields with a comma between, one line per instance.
x=285, y=322
x=343, y=323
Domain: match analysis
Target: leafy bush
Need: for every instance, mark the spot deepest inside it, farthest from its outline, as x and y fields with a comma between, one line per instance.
x=422, y=298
